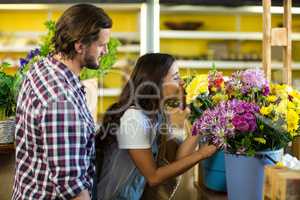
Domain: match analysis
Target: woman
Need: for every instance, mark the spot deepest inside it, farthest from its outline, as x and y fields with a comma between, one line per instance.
x=131, y=128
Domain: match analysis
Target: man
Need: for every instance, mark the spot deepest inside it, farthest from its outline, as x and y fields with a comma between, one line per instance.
x=55, y=131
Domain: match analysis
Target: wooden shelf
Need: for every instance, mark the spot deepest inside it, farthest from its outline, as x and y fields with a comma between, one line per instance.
x=129, y=48
x=216, y=35
x=109, y=92
x=206, y=64
x=221, y=10
x=27, y=48
x=135, y=36
x=7, y=148
x=126, y=35
x=45, y=5
x=17, y=49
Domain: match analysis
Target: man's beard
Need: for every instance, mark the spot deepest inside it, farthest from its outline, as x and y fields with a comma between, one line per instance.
x=90, y=62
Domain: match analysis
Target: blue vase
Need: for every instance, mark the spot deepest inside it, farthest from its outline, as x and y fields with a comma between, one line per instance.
x=245, y=175
x=214, y=176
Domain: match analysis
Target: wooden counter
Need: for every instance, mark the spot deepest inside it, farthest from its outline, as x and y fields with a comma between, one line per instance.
x=7, y=148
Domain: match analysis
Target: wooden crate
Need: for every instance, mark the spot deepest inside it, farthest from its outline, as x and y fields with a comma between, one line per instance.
x=281, y=183
x=296, y=147
x=288, y=186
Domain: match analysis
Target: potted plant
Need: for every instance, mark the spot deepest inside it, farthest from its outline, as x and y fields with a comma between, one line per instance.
x=253, y=126
x=7, y=105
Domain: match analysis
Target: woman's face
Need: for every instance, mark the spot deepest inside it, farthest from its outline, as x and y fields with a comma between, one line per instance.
x=171, y=82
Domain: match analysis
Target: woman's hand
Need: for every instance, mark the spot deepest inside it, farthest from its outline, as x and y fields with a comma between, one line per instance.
x=145, y=162
x=207, y=150
x=177, y=117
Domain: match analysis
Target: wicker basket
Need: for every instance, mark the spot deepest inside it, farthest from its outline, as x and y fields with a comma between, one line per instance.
x=7, y=131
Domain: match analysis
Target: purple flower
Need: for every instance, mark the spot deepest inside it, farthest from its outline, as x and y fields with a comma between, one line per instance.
x=243, y=126
x=253, y=78
x=33, y=53
x=266, y=90
x=195, y=130
x=240, y=123
x=247, y=81
x=252, y=125
x=249, y=116
x=37, y=51
x=23, y=62
x=225, y=121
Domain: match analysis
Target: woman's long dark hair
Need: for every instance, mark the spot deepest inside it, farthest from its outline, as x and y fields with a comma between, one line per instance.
x=143, y=91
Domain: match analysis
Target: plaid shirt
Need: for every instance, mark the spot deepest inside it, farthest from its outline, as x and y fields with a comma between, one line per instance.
x=54, y=135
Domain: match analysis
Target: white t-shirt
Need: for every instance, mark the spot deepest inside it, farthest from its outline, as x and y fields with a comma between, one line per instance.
x=120, y=179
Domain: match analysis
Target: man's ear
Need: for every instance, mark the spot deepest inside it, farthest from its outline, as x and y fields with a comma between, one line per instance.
x=79, y=47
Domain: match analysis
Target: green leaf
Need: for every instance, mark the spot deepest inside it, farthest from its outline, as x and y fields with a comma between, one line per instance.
x=106, y=62
x=7, y=95
x=47, y=45
x=4, y=65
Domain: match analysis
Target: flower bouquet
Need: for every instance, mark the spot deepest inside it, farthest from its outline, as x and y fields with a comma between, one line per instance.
x=253, y=119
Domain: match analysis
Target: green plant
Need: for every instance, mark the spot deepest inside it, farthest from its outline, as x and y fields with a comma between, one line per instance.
x=7, y=93
x=106, y=62
x=46, y=45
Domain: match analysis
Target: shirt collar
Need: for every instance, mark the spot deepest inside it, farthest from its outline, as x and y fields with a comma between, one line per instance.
x=70, y=77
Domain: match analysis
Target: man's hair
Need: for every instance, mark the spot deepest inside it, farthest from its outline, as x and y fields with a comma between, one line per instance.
x=79, y=23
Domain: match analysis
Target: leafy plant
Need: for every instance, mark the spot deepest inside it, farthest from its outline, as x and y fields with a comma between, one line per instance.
x=46, y=46
x=106, y=62
x=7, y=93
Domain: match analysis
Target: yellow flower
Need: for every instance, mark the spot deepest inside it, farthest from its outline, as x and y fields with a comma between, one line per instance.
x=213, y=89
x=295, y=94
x=275, y=118
x=199, y=85
x=280, y=164
x=282, y=107
x=219, y=97
x=266, y=110
x=260, y=140
x=292, y=121
x=291, y=105
x=271, y=98
x=280, y=90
